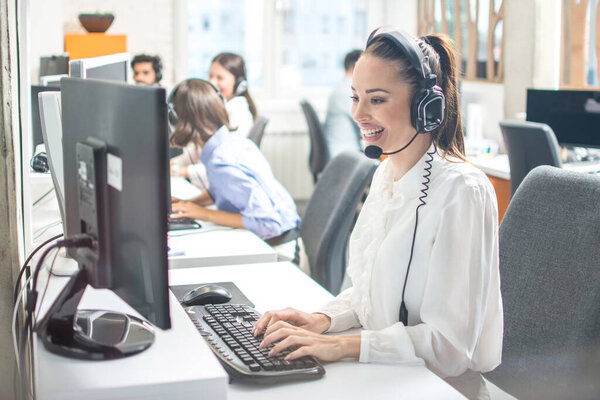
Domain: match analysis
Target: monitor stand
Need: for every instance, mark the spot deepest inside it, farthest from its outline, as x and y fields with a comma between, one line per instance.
x=64, y=265
x=91, y=334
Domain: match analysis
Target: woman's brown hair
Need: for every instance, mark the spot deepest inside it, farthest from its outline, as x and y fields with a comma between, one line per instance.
x=439, y=50
x=200, y=112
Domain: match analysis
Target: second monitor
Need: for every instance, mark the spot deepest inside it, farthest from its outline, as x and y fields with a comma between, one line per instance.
x=573, y=115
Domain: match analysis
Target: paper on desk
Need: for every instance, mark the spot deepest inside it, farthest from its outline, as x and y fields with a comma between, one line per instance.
x=182, y=189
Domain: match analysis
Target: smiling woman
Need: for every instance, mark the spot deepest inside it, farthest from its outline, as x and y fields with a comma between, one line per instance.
x=420, y=291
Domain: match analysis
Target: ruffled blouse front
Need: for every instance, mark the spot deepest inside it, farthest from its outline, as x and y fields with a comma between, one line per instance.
x=453, y=288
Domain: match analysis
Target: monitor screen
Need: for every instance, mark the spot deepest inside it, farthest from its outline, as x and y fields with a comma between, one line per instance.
x=131, y=122
x=573, y=115
x=114, y=67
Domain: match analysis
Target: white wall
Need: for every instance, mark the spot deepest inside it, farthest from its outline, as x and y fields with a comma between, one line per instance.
x=148, y=25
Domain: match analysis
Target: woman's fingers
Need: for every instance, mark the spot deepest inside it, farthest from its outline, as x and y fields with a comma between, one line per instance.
x=271, y=317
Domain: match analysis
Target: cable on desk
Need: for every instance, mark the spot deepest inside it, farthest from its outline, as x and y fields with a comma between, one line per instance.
x=45, y=228
x=32, y=294
x=42, y=197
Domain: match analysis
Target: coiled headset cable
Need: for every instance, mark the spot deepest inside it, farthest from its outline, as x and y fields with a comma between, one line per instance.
x=403, y=316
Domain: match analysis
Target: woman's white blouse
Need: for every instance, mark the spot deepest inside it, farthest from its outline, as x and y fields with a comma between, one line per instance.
x=453, y=291
x=240, y=116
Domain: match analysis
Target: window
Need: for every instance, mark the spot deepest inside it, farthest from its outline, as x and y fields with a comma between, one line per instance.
x=287, y=44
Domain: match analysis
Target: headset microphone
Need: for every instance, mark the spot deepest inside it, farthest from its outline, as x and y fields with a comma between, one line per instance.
x=375, y=152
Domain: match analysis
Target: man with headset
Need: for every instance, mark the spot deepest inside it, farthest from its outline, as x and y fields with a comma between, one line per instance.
x=147, y=70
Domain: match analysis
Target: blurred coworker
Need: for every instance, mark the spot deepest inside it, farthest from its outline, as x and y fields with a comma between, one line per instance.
x=241, y=184
x=147, y=70
x=227, y=73
x=341, y=131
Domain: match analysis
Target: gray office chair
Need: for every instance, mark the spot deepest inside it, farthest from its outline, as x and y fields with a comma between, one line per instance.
x=319, y=155
x=330, y=216
x=258, y=129
x=528, y=144
x=550, y=277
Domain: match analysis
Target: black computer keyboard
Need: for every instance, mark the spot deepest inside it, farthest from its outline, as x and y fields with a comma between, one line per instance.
x=228, y=330
x=176, y=224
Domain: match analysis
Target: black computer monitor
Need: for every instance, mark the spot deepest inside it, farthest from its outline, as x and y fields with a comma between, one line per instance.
x=116, y=178
x=573, y=115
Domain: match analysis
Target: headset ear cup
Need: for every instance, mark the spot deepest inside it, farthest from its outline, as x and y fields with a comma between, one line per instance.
x=158, y=70
x=416, y=112
x=171, y=117
x=427, y=109
x=241, y=86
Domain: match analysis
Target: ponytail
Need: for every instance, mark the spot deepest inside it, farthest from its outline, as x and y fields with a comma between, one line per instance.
x=251, y=104
x=449, y=136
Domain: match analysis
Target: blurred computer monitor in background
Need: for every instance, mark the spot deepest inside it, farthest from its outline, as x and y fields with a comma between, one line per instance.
x=114, y=67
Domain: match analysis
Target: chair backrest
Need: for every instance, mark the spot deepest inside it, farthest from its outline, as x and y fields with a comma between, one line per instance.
x=319, y=155
x=258, y=129
x=330, y=216
x=529, y=145
x=550, y=274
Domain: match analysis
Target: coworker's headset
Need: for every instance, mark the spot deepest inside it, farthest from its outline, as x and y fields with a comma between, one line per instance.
x=426, y=114
x=172, y=114
x=241, y=82
x=428, y=103
x=157, y=66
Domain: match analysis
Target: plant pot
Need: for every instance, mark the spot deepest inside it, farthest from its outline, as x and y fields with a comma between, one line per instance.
x=96, y=23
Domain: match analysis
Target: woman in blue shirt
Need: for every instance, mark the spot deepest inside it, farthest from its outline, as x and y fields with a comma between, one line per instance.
x=241, y=183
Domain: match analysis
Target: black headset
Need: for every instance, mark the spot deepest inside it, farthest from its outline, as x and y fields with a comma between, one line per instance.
x=172, y=114
x=241, y=83
x=39, y=162
x=428, y=104
x=157, y=66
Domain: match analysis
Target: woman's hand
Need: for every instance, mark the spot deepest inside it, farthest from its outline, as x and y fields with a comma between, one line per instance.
x=306, y=343
x=182, y=209
x=316, y=322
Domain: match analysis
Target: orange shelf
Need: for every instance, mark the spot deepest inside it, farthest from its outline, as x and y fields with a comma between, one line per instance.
x=94, y=45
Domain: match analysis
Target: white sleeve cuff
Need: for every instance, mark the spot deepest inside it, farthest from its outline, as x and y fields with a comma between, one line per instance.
x=389, y=345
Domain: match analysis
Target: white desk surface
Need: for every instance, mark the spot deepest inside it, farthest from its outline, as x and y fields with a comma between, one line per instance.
x=494, y=166
x=279, y=285
x=214, y=245
x=499, y=166
x=178, y=365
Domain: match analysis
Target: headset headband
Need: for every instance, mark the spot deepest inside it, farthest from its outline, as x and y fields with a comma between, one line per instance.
x=409, y=46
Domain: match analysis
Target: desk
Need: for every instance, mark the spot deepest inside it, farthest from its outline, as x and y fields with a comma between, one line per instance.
x=497, y=168
x=169, y=369
x=498, y=172
x=217, y=245
x=287, y=286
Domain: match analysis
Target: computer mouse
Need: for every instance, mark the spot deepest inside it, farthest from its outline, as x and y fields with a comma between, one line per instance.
x=206, y=294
